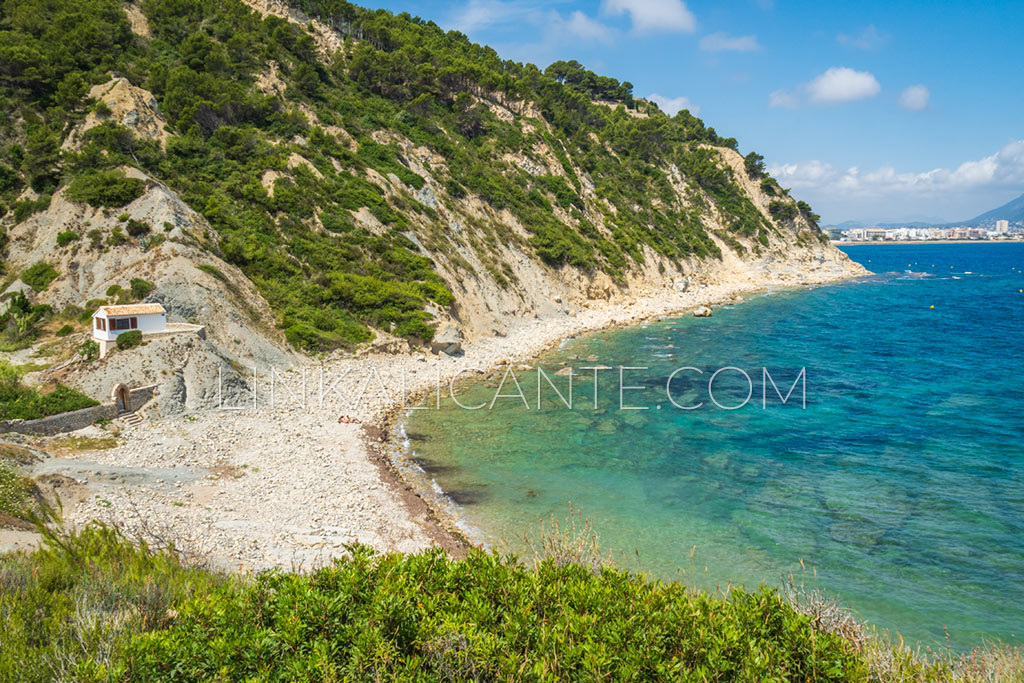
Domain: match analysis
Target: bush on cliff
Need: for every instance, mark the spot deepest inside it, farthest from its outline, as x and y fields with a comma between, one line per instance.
x=110, y=189
x=39, y=275
x=18, y=401
x=128, y=340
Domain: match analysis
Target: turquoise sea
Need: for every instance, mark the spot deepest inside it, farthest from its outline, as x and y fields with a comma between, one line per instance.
x=899, y=488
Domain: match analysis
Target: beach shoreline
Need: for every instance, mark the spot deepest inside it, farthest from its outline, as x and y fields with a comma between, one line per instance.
x=288, y=487
x=396, y=452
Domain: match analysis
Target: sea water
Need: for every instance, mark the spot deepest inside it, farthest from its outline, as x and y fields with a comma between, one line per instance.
x=892, y=478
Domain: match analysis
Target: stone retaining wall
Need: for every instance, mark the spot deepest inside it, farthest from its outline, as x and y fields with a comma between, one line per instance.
x=63, y=422
x=77, y=419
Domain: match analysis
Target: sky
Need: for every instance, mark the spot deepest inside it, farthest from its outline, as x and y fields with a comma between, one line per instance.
x=870, y=111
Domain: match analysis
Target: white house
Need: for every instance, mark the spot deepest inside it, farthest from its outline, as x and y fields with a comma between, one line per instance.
x=110, y=321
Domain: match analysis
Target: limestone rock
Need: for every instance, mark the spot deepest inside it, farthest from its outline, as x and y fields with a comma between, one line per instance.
x=702, y=312
x=447, y=339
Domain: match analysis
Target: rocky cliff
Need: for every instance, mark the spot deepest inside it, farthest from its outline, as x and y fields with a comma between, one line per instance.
x=317, y=178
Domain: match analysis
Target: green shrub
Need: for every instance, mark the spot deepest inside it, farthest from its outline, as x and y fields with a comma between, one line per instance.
x=428, y=617
x=113, y=290
x=89, y=350
x=18, y=401
x=105, y=188
x=754, y=164
x=805, y=210
x=70, y=608
x=66, y=237
x=8, y=178
x=137, y=228
x=26, y=207
x=91, y=605
x=39, y=275
x=141, y=288
x=117, y=238
x=212, y=270
x=65, y=330
x=783, y=212
x=128, y=340
x=16, y=493
x=20, y=323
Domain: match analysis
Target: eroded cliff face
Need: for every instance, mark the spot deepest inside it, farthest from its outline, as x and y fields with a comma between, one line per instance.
x=494, y=282
x=489, y=259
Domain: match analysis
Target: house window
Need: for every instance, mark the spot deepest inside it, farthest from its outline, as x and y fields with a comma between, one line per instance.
x=101, y=324
x=121, y=323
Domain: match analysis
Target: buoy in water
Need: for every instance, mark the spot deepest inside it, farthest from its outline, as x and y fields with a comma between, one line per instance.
x=931, y=306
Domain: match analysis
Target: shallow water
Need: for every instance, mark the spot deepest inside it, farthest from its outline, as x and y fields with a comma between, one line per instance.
x=900, y=486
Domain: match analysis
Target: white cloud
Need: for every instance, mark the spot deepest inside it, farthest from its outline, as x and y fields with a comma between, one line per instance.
x=582, y=26
x=480, y=14
x=842, y=84
x=781, y=99
x=868, y=39
x=718, y=42
x=837, y=85
x=649, y=16
x=672, y=105
x=552, y=28
x=1002, y=170
x=915, y=97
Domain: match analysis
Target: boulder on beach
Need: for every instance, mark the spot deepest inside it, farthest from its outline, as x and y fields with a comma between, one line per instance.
x=447, y=339
x=702, y=312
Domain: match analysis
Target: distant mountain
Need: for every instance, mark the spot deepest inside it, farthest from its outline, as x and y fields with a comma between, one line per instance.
x=908, y=224
x=852, y=225
x=1011, y=211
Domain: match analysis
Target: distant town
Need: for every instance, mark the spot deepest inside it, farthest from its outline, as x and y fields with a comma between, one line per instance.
x=998, y=231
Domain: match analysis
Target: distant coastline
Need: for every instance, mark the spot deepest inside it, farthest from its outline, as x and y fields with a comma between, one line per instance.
x=862, y=242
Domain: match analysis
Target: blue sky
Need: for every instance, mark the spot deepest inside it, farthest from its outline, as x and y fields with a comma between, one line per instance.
x=870, y=111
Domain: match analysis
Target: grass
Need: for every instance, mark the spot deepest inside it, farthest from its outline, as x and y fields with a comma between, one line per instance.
x=84, y=443
x=70, y=609
x=93, y=605
x=17, y=493
x=14, y=454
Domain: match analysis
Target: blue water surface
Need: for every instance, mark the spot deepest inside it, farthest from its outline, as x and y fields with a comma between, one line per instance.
x=899, y=488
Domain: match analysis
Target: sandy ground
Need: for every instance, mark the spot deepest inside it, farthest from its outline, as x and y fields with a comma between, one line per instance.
x=288, y=486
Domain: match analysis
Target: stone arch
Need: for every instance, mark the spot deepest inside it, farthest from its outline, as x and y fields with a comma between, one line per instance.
x=121, y=396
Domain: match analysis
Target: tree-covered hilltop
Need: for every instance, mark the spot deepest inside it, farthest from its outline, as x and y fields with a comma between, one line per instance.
x=344, y=163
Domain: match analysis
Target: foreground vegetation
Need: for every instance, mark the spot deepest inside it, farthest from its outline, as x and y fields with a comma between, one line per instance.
x=94, y=606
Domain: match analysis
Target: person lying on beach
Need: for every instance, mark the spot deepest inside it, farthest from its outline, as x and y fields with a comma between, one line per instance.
x=345, y=419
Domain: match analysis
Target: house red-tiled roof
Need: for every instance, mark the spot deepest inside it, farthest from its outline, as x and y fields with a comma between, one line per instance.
x=132, y=309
